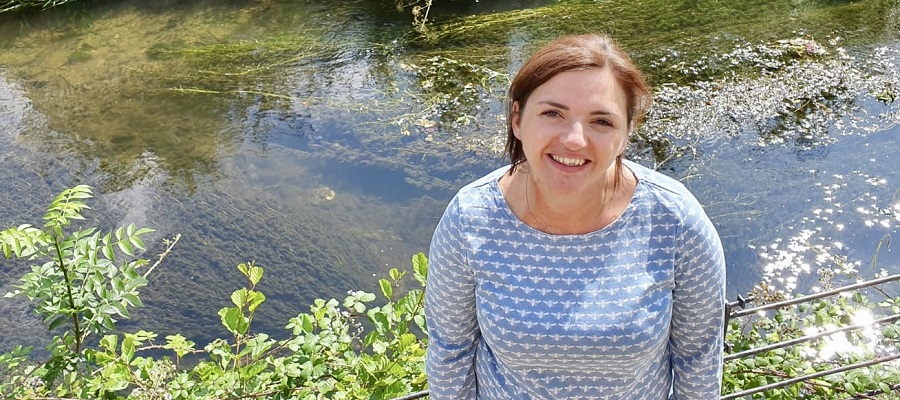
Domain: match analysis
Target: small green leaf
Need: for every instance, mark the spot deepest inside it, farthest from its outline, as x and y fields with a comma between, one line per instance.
x=58, y=321
x=144, y=231
x=137, y=242
x=108, y=251
x=380, y=320
x=127, y=348
x=420, y=322
x=239, y=297
x=132, y=300
x=179, y=345
x=113, y=309
x=125, y=247
x=234, y=320
x=255, y=299
x=364, y=297
x=306, y=322
x=379, y=347
x=255, y=274
x=386, y=288
x=109, y=342
x=420, y=267
x=406, y=340
x=117, y=284
x=850, y=388
x=371, y=338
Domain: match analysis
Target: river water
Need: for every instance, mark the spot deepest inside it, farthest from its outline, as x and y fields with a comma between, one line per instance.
x=322, y=139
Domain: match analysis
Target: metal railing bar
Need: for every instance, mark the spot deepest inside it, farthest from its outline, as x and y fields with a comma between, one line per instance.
x=788, y=343
x=810, y=376
x=816, y=296
x=411, y=396
x=869, y=394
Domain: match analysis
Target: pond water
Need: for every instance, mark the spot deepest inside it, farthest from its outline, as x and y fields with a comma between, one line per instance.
x=324, y=138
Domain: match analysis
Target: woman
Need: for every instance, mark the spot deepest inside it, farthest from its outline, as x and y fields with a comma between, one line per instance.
x=572, y=273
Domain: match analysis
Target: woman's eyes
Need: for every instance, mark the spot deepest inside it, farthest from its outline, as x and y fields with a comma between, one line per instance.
x=557, y=114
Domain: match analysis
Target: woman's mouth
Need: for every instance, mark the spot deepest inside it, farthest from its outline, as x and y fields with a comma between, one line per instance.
x=571, y=162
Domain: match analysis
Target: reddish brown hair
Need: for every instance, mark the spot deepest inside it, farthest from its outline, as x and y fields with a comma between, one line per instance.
x=571, y=53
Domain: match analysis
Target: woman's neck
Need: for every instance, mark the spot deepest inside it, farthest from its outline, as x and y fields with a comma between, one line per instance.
x=569, y=214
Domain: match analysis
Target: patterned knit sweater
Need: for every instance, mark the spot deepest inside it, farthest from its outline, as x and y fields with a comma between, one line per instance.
x=632, y=311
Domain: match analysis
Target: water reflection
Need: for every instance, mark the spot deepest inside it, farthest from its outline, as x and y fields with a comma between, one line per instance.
x=320, y=140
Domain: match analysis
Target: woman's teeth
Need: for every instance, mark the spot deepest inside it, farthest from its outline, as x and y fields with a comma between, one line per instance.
x=572, y=162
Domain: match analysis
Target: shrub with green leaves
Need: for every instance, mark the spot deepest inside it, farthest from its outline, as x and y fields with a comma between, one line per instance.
x=83, y=281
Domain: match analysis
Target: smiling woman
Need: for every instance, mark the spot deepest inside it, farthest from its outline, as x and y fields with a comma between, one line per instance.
x=574, y=273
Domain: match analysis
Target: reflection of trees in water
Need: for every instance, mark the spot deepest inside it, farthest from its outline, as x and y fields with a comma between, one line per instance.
x=108, y=85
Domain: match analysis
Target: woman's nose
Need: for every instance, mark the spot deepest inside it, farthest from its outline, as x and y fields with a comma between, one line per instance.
x=573, y=138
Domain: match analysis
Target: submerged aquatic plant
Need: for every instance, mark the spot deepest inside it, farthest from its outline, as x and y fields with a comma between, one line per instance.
x=18, y=5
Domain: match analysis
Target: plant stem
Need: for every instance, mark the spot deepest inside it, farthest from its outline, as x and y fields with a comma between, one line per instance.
x=170, y=243
x=62, y=267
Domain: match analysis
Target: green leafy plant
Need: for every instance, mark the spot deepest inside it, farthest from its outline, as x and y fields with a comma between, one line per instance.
x=82, y=281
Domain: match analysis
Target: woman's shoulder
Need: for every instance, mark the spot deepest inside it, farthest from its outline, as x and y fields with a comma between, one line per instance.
x=657, y=180
x=482, y=191
x=479, y=202
x=662, y=190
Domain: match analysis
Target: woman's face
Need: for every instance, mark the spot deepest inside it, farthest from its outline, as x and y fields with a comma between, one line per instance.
x=572, y=129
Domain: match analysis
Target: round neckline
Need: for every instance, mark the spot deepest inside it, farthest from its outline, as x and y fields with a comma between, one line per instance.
x=629, y=209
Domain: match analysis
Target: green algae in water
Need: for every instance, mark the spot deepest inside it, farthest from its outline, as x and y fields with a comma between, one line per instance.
x=247, y=55
x=82, y=54
x=648, y=29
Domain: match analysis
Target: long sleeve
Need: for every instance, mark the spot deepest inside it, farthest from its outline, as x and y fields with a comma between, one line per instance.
x=696, y=339
x=453, y=331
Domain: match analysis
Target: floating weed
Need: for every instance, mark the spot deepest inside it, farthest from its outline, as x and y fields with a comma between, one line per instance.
x=807, y=102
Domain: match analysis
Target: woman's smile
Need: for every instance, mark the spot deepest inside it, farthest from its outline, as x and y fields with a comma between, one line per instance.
x=569, y=162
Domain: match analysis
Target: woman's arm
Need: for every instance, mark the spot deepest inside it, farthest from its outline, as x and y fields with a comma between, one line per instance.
x=698, y=308
x=450, y=312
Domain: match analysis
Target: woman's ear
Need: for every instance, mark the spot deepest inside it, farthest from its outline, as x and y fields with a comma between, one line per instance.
x=516, y=117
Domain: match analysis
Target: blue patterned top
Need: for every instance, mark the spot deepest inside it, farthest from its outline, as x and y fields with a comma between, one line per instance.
x=632, y=311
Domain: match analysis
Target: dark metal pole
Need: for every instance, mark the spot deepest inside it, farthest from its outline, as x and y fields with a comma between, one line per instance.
x=816, y=296
x=792, y=342
x=810, y=376
x=411, y=396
